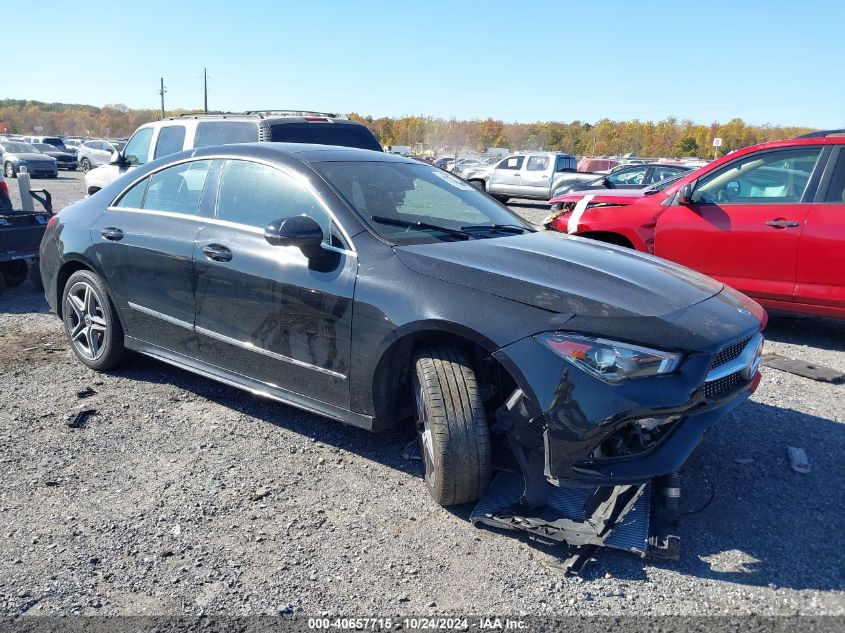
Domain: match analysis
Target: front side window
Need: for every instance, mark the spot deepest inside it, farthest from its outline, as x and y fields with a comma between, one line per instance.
x=170, y=140
x=177, y=189
x=225, y=133
x=777, y=177
x=513, y=163
x=537, y=163
x=137, y=150
x=256, y=195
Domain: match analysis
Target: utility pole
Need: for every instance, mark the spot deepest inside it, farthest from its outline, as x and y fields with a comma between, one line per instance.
x=161, y=92
x=205, y=89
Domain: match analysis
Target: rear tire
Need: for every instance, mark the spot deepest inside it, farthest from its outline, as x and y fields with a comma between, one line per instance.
x=478, y=184
x=15, y=272
x=9, y=170
x=502, y=199
x=452, y=425
x=91, y=323
x=85, y=164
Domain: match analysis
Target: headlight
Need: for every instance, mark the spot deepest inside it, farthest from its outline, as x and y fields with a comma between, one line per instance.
x=609, y=360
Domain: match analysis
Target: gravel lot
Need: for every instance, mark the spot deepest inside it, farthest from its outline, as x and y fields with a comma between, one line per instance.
x=183, y=496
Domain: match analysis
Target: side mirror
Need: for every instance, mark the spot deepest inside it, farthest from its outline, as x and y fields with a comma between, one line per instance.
x=684, y=195
x=301, y=231
x=117, y=159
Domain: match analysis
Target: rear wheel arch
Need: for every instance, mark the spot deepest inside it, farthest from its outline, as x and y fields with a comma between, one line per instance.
x=70, y=267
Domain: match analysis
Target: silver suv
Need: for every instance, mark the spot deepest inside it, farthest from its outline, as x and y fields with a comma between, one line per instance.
x=174, y=134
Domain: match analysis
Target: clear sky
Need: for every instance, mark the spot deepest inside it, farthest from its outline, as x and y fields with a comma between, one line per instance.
x=766, y=61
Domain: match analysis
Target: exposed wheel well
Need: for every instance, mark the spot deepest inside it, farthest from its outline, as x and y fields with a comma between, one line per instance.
x=392, y=381
x=608, y=238
x=92, y=190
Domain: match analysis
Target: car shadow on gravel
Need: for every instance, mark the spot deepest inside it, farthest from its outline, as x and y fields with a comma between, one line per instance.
x=24, y=299
x=385, y=448
x=812, y=331
x=751, y=520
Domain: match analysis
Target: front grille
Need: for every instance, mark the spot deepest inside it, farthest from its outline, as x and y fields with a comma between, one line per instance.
x=716, y=389
x=729, y=353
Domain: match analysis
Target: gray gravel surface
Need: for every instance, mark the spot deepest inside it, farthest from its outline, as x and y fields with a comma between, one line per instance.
x=182, y=496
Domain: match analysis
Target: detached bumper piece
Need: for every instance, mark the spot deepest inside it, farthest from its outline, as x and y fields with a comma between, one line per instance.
x=585, y=519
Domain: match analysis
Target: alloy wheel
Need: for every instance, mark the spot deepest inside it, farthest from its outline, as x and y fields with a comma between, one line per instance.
x=85, y=320
x=426, y=435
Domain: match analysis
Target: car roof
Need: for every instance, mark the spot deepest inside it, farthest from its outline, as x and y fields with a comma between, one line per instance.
x=304, y=152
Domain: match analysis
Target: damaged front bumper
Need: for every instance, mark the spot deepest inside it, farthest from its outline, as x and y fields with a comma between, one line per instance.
x=569, y=428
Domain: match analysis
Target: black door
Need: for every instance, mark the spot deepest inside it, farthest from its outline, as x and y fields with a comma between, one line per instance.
x=264, y=311
x=144, y=245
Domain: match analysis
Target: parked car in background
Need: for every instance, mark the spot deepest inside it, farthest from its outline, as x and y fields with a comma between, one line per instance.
x=360, y=285
x=769, y=220
x=161, y=138
x=637, y=176
x=55, y=141
x=94, y=153
x=64, y=160
x=527, y=175
x=72, y=143
x=17, y=154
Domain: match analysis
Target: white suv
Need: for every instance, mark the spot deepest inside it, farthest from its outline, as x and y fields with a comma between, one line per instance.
x=174, y=134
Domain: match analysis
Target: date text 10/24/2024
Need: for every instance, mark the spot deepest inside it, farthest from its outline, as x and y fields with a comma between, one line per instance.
x=418, y=624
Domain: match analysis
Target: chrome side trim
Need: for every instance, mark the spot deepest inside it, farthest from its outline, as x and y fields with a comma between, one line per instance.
x=266, y=352
x=749, y=360
x=163, y=317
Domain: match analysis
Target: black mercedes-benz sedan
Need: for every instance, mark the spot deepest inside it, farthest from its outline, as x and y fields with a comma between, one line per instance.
x=378, y=290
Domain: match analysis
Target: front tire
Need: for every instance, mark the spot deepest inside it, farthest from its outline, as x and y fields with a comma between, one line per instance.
x=452, y=426
x=9, y=170
x=91, y=323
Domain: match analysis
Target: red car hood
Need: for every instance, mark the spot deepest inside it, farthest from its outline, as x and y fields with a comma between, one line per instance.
x=607, y=196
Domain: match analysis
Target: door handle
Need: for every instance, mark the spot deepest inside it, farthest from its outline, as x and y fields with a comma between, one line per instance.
x=217, y=253
x=783, y=224
x=112, y=233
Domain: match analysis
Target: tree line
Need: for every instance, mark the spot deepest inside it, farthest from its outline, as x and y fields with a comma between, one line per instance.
x=670, y=137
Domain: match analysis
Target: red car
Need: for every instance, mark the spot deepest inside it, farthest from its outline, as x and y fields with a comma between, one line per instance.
x=768, y=220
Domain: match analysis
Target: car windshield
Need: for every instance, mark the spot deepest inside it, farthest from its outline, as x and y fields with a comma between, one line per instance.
x=44, y=147
x=416, y=203
x=19, y=148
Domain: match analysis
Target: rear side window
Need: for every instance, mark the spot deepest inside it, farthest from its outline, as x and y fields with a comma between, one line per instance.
x=836, y=190
x=256, y=195
x=170, y=140
x=537, y=163
x=225, y=133
x=322, y=133
x=137, y=150
x=565, y=163
x=177, y=189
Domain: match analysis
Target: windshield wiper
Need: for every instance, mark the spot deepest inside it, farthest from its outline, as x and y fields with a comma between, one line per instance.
x=504, y=228
x=420, y=225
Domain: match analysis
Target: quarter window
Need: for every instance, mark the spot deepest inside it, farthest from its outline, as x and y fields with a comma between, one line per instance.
x=170, y=140
x=177, y=189
x=137, y=150
x=778, y=177
x=256, y=195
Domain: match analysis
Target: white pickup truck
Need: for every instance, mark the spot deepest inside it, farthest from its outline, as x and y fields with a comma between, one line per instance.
x=527, y=175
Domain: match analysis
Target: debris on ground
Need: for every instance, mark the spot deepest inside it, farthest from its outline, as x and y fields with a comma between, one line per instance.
x=78, y=419
x=802, y=368
x=798, y=460
x=85, y=393
x=412, y=451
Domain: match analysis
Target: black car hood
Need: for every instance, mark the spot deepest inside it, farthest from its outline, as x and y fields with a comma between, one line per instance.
x=564, y=274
